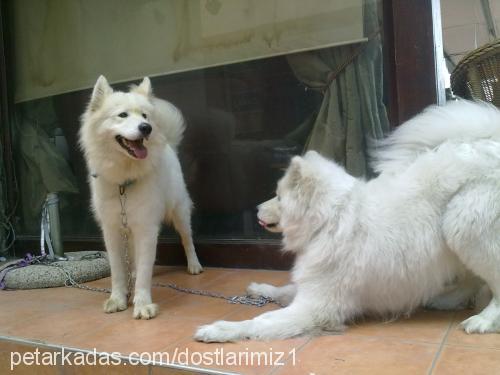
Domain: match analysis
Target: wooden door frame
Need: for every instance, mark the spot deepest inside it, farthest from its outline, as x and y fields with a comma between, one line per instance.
x=412, y=50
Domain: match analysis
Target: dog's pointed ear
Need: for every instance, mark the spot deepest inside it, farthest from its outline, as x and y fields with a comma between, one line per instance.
x=144, y=88
x=312, y=155
x=102, y=89
x=296, y=170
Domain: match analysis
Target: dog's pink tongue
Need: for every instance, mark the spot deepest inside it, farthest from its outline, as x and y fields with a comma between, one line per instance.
x=140, y=151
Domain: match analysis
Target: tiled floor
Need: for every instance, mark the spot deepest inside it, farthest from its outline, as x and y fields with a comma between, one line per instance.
x=50, y=319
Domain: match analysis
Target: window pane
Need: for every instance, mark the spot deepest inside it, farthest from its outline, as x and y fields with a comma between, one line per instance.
x=245, y=119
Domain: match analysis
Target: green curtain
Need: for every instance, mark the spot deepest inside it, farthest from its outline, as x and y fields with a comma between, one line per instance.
x=352, y=111
x=41, y=167
x=5, y=226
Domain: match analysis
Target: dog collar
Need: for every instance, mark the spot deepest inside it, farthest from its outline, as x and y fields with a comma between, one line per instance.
x=125, y=184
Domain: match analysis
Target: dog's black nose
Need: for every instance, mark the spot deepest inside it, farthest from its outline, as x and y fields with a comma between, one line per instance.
x=145, y=128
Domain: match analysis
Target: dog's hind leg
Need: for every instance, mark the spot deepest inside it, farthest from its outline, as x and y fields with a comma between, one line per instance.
x=114, y=248
x=181, y=218
x=459, y=297
x=471, y=227
x=485, y=262
x=284, y=295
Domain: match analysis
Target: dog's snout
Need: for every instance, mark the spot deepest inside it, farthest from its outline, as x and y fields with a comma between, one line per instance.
x=145, y=128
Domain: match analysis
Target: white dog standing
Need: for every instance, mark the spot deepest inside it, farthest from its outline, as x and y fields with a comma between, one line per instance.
x=426, y=231
x=129, y=141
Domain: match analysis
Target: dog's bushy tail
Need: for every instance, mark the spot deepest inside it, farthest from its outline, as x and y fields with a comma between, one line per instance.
x=460, y=120
x=171, y=120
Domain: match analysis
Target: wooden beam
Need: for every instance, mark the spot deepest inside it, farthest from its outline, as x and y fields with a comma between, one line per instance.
x=412, y=28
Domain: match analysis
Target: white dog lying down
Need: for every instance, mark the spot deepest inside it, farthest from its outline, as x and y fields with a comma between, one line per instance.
x=130, y=139
x=426, y=231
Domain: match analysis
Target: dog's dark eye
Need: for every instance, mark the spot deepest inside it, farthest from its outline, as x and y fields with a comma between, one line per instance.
x=123, y=114
x=144, y=115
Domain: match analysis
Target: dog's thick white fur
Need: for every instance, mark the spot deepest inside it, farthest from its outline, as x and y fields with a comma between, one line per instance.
x=131, y=139
x=426, y=231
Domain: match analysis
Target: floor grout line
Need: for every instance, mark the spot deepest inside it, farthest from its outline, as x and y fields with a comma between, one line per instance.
x=473, y=346
x=441, y=346
x=397, y=338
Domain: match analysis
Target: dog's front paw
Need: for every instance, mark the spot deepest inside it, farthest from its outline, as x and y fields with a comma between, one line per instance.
x=220, y=331
x=194, y=267
x=479, y=324
x=115, y=304
x=148, y=311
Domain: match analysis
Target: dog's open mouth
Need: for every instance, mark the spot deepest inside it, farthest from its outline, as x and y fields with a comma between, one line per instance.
x=134, y=148
x=267, y=225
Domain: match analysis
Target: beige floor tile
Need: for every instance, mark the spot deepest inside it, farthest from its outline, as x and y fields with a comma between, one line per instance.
x=139, y=336
x=424, y=326
x=471, y=361
x=66, y=323
x=344, y=354
x=237, y=284
x=197, y=307
x=20, y=313
x=457, y=335
x=182, y=278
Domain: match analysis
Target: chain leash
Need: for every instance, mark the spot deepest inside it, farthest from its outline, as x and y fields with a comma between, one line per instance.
x=125, y=231
x=242, y=300
x=236, y=299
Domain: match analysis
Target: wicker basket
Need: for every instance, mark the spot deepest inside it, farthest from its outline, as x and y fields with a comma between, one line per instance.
x=477, y=75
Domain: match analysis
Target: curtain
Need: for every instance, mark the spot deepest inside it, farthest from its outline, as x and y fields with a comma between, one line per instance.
x=5, y=225
x=41, y=166
x=352, y=111
x=64, y=45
